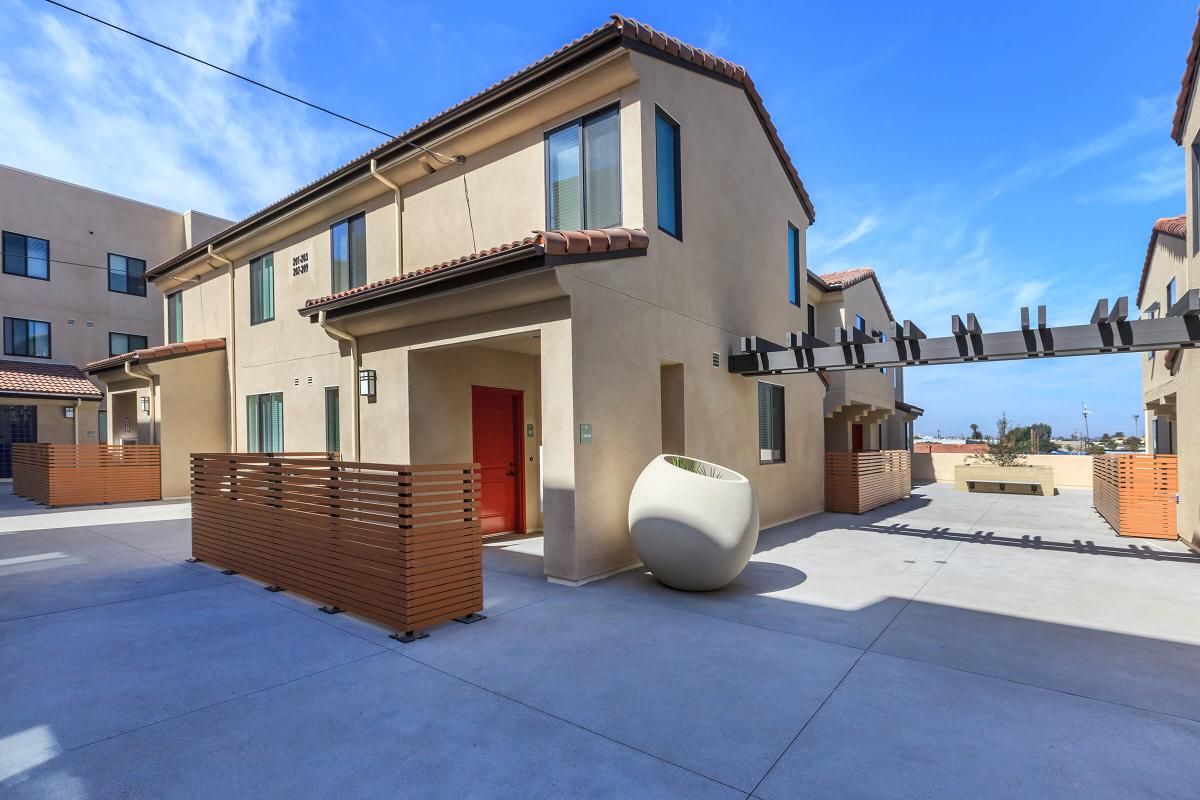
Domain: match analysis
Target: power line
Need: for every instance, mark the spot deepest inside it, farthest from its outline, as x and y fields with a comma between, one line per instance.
x=443, y=159
x=229, y=72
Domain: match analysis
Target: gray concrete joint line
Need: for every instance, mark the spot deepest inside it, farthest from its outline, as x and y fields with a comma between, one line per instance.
x=228, y=700
x=412, y=657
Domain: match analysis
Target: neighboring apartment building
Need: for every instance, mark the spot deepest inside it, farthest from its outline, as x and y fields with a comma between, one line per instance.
x=667, y=221
x=1162, y=274
x=72, y=290
x=864, y=409
x=1184, y=364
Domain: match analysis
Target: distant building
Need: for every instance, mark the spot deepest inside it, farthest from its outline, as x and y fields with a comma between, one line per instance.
x=72, y=291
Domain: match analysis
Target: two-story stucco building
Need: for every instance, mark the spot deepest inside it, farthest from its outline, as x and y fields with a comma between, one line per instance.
x=1163, y=271
x=1171, y=380
x=72, y=290
x=546, y=278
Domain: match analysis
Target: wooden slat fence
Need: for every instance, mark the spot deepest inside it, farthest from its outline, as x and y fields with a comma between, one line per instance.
x=83, y=474
x=401, y=545
x=858, y=482
x=1135, y=493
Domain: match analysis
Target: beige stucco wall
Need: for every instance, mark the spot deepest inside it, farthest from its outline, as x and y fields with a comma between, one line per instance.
x=1167, y=261
x=1187, y=373
x=54, y=427
x=193, y=415
x=83, y=226
x=1071, y=471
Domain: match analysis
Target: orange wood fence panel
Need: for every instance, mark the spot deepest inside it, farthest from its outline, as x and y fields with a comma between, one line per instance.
x=859, y=482
x=70, y=474
x=1135, y=493
x=401, y=545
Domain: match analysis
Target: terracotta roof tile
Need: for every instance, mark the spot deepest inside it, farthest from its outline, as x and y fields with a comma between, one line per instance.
x=158, y=353
x=53, y=380
x=554, y=243
x=844, y=279
x=643, y=33
x=618, y=25
x=1171, y=226
x=1185, y=88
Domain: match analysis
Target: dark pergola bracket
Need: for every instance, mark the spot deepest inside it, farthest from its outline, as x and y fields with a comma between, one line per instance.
x=1110, y=331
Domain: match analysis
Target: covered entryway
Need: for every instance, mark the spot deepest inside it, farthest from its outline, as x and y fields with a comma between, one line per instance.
x=497, y=444
x=17, y=424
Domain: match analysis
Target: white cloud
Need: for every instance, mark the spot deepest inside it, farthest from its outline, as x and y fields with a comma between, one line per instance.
x=93, y=106
x=823, y=249
x=1157, y=178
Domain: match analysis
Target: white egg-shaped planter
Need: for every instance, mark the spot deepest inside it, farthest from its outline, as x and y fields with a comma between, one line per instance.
x=694, y=524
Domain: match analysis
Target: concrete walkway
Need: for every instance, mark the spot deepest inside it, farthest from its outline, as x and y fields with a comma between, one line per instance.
x=949, y=646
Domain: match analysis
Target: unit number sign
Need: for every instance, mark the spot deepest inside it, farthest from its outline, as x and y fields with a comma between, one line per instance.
x=299, y=264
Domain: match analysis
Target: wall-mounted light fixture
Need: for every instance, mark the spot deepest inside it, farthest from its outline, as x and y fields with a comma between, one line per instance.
x=366, y=382
x=145, y=401
x=69, y=412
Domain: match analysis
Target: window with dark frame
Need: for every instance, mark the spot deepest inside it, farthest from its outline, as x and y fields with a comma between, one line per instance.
x=175, y=317
x=668, y=168
x=264, y=422
x=583, y=173
x=348, y=253
x=1171, y=294
x=883, y=338
x=333, y=420
x=262, y=289
x=812, y=320
x=795, y=279
x=26, y=256
x=126, y=275
x=860, y=323
x=121, y=343
x=1195, y=193
x=770, y=424
x=26, y=337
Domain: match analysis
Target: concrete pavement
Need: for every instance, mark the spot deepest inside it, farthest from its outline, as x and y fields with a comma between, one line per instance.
x=948, y=646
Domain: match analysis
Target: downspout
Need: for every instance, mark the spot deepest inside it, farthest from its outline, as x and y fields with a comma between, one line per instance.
x=338, y=333
x=149, y=379
x=78, y=408
x=399, y=230
x=230, y=352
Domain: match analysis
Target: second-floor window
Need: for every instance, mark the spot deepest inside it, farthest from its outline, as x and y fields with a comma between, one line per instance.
x=175, y=317
x=26, y=256
x=348, y=243
x=667, y=168
x=121, y=343
x=812, y=320
x=262, y=289
x=126, y=275
x=795, y=284
x=26, y=337
x=1170, y=294
x=583, y=173
x=860, y=323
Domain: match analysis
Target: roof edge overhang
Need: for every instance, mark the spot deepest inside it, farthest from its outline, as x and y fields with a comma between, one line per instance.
x=507, y=264
x=557, y=64
x=148, y=356
x=55, y=395
x=619, y=33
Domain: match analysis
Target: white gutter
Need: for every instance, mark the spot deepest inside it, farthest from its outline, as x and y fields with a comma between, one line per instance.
x=231, y=352
x=338, y=333
x=149, y=379
x=397, y=200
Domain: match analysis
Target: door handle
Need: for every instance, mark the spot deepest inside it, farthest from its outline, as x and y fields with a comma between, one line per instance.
x=511, y=474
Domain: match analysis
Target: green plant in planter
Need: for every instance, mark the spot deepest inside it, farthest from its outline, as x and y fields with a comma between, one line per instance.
x=1004, y=451
x=692, y=465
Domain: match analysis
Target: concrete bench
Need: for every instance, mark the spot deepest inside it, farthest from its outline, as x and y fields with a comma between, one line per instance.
x=993, y=478
x=1033, y=485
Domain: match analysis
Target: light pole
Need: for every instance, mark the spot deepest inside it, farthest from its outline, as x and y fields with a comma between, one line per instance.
x=1136, y=430
x=1087, y=438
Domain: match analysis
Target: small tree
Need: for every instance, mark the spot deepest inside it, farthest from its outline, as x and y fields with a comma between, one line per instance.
x=975, y=434
x=1003, y=451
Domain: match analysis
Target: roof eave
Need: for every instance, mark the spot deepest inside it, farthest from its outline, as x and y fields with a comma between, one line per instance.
x=585, y=48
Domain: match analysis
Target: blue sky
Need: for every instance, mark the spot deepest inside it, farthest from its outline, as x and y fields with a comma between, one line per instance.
x=979, y=156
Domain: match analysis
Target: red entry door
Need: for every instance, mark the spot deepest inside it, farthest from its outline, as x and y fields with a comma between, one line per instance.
x=856, y=432
x=496, y=416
